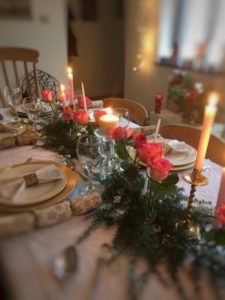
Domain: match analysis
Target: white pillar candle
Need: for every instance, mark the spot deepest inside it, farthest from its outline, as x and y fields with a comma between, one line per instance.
x=107, y=123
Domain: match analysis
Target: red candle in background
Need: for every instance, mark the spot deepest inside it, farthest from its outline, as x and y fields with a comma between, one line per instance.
x=158, y=102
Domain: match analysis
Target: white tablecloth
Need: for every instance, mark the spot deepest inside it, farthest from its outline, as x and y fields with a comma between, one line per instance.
x=27, y=259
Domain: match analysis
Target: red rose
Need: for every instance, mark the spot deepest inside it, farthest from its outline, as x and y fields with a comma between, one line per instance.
x=139, y=139
x=120, y=133
x=220, y=213
x=98, y=114
x=81, y=116
x=47, y=95
x=80, y=101
x=149, y=151
x=159, y=168
x=67, y=113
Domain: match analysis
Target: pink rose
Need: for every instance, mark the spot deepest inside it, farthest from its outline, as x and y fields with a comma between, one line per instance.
x=67, y=113
x=81, y=116
x=47, y=95
x=80, y=101
x=220, y=213
x=139, y=139
x=120, y=133
x=159, y=168
x=149, y=151
x=98, y=114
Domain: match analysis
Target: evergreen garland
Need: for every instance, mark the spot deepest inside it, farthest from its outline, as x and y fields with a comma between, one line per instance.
x=159, y=240
x=61, y=136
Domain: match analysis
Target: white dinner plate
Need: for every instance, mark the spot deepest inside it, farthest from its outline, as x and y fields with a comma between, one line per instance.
x=10, y=130
x=46, y=109
x=179, y=158
x=36, y=193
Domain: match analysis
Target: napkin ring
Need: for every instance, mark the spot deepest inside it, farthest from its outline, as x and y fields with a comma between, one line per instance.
x=30, y=179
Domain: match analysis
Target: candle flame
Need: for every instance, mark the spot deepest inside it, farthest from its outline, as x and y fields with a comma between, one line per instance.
x=213, y=99
x=69, y=70
x=62, y=87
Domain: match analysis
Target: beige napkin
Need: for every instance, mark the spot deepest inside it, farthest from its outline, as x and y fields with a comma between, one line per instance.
x=178, y=147
x=11, y=188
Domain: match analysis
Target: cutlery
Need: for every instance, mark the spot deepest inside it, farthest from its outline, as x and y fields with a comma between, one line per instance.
x=65, y=264
x=69, y=162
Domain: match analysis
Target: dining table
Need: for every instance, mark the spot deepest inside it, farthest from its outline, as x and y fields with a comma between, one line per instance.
x=26, y=259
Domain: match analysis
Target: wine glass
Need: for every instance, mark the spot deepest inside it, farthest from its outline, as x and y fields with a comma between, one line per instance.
x=33, y=109
x=14, y=97
x=89, y=152
x=123, y=115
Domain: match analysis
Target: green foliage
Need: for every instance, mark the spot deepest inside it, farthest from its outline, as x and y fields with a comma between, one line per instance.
x=216, y=235
x=61, y=136
x=177, y=93
x=121, y=150
x=162, y=240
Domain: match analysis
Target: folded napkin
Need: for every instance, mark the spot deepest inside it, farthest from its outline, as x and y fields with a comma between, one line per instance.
x=177, y=146
x=12, y=187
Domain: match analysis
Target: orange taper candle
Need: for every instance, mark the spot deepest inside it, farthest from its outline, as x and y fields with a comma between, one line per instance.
x=209, y=116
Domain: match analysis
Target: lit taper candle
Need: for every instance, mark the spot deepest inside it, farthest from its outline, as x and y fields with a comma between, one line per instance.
x=70, y=80
x=209, y=116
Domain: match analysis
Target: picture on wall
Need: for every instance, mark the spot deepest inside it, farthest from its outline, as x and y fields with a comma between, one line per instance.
x=15, y=9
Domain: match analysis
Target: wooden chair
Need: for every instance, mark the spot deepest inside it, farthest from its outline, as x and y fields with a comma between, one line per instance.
x=191, y=136
x=138, y=113
x=15, y=64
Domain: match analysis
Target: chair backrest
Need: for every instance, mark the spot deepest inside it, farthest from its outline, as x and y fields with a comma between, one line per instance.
x=45, y=81
x=191, y=136
x=138, y=113
x=15, y=64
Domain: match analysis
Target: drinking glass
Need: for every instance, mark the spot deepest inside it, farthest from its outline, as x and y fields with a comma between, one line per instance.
x=33, y=109
x=123, y=115
x=89, y=152
x=14, y=98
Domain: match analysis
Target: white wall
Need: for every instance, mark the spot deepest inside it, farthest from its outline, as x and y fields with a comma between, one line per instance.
x=48, y=36
x=100, y=61
x=143, y=78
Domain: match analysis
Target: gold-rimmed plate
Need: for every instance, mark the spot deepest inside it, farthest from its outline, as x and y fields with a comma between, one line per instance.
x=69, y=186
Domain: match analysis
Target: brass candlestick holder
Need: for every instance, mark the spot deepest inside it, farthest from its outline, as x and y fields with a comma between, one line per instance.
x=195, y=179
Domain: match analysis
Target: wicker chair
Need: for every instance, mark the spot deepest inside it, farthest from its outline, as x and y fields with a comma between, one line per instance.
x=16, y=63
x=138, y=113
x=45, y=81
x=191, y=135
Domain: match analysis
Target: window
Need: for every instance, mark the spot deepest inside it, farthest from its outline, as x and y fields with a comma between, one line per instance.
x=191, y=34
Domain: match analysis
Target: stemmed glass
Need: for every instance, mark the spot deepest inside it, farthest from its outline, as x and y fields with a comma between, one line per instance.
x=89, y=152
x=33, y=109
x=123, y=115
x=14, y=98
